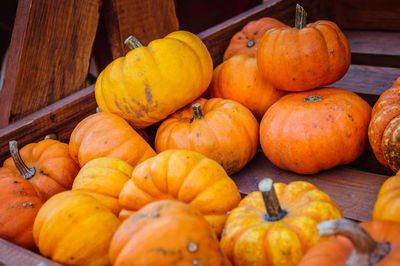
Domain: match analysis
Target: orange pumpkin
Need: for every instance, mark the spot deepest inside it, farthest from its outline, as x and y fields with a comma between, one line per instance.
x=384, y=128
x=387, y=205
x=373, y=243
x=46, y=164
x=185, y=176
x=246, y=40
x=304, y=57
x=277, y=225
x=222, y=130
x=238, y=79
x=107, y=135
x=166, y=232
x=306, y=132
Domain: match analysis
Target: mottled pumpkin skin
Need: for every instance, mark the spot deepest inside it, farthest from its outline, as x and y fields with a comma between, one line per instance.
x=19, y=204
x=55, y=170
x=228, y=133
x=384, y=128
x=107, y=135
x=307, y=137
x=73, y=228
x=103, y=178
x=249, y=239
x=335, y=250
x=152, y=82
x=166, y=232
x=246, y=40
x=185, y=176
x=300, y=60
x=387, y=205
x=238, y=79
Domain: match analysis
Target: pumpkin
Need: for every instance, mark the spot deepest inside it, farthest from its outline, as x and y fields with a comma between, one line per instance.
x=152, y=82
x=369, y=243
x=103, y=178
x=387, y=205
x=384, y=128
x=278, y=224
x=304, y=57
x=46, y=164
x=306, y=132
x=166, y=232
x=73, y=228
x=238, y=79
x=107, y=135
x=246, y=40
x=222, y=130
x=186, y=176
x=19, y=204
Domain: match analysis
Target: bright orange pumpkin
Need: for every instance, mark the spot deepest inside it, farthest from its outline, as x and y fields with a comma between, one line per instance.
x=387, y=205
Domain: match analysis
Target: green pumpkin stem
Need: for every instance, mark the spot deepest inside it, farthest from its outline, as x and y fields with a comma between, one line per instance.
x=132, y=43
x=197, y=114
x=366, y=251
x=25, y=172
x=272, y=206
x=301, y=17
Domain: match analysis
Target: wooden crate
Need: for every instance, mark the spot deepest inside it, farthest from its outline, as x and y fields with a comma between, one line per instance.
x=375, y=66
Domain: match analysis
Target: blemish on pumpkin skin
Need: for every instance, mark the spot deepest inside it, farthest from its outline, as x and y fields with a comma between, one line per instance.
x=116, y=103
x=332, y=52
x=149, y=97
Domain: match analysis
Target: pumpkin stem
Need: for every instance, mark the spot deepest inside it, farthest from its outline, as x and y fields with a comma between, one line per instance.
x=51, y=136
x=197, y=114
x=25, y=172
x=132, y=43
x=301, y=17
x=366, y=250
x=272, y=206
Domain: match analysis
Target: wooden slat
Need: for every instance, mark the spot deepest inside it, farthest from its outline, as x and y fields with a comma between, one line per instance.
x=354, y=191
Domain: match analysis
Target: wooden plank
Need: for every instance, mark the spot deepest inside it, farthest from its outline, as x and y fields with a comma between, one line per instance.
x=354, y=191
x=49, y=54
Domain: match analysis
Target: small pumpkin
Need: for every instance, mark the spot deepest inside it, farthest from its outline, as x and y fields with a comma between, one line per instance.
x=384, y=128
x=73, y=228
x=246, y=40
x=307, y=132
x=238, y=79
x=166, y=232
x=222, y=130
x=103, y=178
x=369, y=243
x=304, y=57
x=186, y=176
x=107, y=135
x=46, y=164
x=278, y=224
x=152, y=82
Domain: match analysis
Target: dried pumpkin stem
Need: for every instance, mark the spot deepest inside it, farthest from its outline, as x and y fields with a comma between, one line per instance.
x=301, y=17
x=272, y=206
x=51, y=136
x=132, y=43
x=366, y=251
x=25, y=172
x=197, y=114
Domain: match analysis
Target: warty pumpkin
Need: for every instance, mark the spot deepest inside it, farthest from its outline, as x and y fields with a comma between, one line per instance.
x=387, y=205
x=307, y=132
x=152, y=82
x=304, y=57
x=222, y=130
x=166, y=232
x=186, y=176
x=107, y=135
x=276, y=225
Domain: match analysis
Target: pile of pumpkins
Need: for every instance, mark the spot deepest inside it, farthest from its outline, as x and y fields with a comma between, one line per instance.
x=108, y=197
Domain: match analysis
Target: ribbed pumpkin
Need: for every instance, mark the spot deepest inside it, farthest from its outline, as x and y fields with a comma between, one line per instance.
x=371, y=243
x=238, y=79
x=166, y=232
x=152, y=82
x=185, y=176
x=306, y=132
x=103, y=178
x=246, y=40
x=222, y=130
x=277, y=225
x=384, y=128
x=107, y=135
x=304, y=57
x=73, y=228
x=387, y=205
x=19, y=204
x=46, y=164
